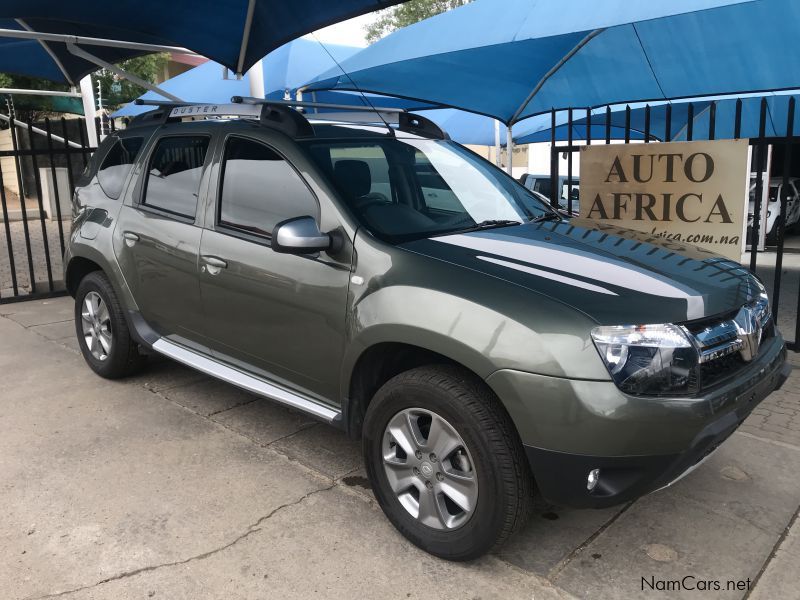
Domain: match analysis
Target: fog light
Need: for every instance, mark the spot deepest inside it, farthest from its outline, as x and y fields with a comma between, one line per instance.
x=591, y=481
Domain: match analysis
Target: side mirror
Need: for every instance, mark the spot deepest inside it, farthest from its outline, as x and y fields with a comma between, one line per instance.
x=299, y=235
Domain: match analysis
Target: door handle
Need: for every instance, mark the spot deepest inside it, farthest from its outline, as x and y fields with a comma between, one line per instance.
x=213, y=264
x=130, y=238
x=213, y=261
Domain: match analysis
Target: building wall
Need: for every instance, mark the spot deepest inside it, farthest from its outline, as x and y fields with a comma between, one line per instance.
x=7, y=163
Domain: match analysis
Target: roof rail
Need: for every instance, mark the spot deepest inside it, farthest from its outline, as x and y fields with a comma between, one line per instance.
x=302, y=104
x=168, y=109
x=406, y=121
x=282, y=115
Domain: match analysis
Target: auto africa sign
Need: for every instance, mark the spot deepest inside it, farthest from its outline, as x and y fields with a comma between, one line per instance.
x=691, y=192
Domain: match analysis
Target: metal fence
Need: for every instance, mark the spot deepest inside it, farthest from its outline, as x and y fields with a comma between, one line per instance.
x=589, y=121
x=42, y=161
x=39, y=164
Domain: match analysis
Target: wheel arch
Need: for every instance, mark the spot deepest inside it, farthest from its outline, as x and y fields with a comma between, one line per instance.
x=78, y=268
x=381, y=361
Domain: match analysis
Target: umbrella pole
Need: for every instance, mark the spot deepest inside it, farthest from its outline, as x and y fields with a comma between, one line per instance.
x=497, y=143
x=510, y=150
x=256, y=77
x=87, y=94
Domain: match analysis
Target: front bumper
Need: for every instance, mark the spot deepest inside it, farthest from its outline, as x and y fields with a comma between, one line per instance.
x=639, y=445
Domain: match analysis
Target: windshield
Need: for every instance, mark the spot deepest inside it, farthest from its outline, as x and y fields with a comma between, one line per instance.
x=403, y=189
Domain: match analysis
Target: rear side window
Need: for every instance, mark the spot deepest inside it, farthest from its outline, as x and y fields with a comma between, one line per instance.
x=173, y=175
x=117, y=165
x=260, y=189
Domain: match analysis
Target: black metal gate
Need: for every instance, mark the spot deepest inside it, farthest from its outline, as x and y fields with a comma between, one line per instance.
x=781, y=280
x=39, y=164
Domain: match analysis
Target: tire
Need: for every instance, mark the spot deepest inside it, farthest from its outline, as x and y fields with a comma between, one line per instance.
x=495, y=461
x=120, y=357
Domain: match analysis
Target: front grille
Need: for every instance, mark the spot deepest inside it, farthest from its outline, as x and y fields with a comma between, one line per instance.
x=720, y=343
x=718, y=370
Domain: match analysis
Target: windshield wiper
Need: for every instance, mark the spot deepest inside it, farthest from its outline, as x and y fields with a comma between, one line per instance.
x=492, y=223
x=489, y=223
x=553, y=216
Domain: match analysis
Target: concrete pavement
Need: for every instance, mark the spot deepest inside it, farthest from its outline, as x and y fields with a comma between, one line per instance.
x=172, y=485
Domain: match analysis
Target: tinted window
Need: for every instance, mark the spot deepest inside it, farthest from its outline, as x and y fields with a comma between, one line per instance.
x=173, y=178
x=403, y=189
x=543, y=186
x=117, y=164
x=260, y=189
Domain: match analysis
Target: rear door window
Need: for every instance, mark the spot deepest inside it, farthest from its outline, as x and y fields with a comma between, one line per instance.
x=117, y=165
x=173, y=174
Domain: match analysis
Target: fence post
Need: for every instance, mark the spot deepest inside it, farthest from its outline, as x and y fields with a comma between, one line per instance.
x=23, y=208
x=759, y=158
x=553, y=161
x=56, y=190
x=38, y=188
x=9, y=243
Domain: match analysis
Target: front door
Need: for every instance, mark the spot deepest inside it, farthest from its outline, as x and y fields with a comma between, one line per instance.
x=157, y=239
x=279, y=316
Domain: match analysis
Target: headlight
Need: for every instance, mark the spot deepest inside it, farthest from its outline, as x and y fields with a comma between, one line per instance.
x=648, y=359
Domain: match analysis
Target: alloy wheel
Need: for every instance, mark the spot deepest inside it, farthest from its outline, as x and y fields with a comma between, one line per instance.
x=429, y=468
x=96, y=323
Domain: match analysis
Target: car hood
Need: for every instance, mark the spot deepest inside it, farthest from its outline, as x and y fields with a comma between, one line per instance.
x=613, y=275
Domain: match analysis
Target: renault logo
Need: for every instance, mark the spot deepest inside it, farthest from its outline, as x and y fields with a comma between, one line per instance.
x=749, y=328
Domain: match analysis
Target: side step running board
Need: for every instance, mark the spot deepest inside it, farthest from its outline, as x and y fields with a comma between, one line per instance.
x=245, y=381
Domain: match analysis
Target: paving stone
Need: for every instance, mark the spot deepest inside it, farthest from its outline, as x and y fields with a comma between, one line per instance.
x=208, y=396
x=40, y=312
x=324, y=449
x=780, y=578
x=551, y=535
x=330, y=545
x=264, y=421
x=711, y=527
x=56, y=331
x=163, y=374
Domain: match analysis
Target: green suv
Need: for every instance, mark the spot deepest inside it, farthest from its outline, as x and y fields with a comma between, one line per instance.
x=390, y=282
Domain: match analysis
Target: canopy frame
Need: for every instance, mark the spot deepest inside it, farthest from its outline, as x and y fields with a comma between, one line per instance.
x=81, y=53
x=248, y=25
x=564, y=59
x=50, y=53
x=39, y=92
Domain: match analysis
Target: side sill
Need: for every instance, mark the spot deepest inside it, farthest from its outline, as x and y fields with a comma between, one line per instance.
x=245, y=381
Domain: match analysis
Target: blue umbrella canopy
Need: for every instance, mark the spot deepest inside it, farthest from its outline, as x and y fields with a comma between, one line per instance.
x=235, y=33
x=537, y=129
x=512, y=59
x=285, y=69
x=31, y=58
x=471, y=128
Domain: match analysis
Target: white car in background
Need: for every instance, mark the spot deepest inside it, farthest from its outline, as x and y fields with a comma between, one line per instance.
x=773, y=207
x=566, y=187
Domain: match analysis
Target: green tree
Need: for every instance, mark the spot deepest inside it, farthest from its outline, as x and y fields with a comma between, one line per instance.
x=118, y=91
x=30, y=107
x=408, y=14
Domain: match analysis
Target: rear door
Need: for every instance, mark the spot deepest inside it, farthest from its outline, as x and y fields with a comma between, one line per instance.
x=280, y=316
x=157, y=239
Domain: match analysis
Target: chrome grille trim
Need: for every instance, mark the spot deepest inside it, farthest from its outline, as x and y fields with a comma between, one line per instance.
x=723, y=338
